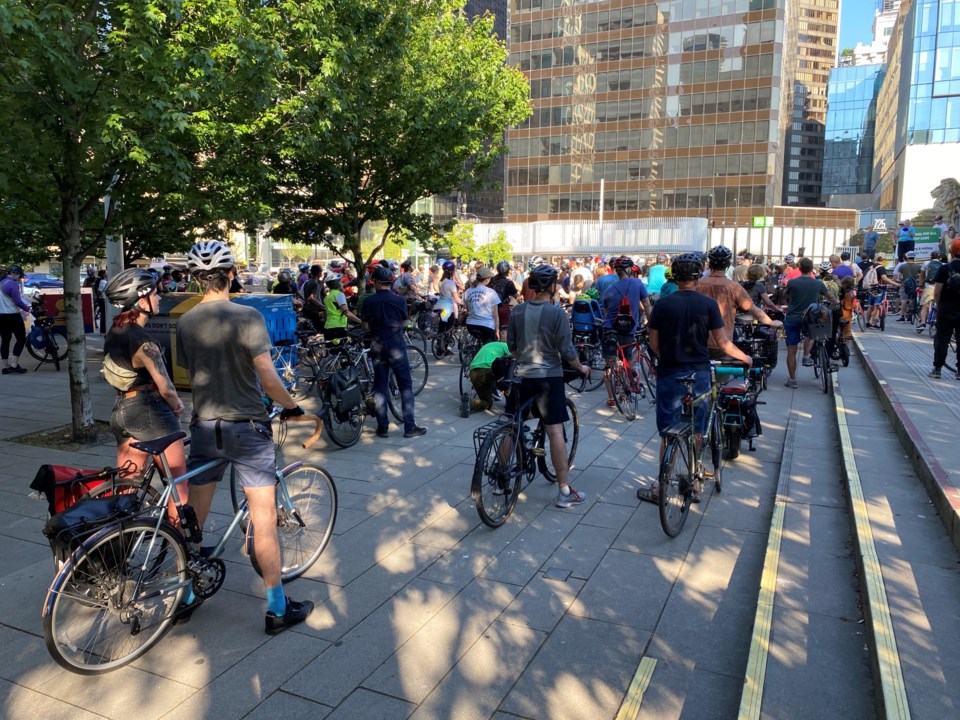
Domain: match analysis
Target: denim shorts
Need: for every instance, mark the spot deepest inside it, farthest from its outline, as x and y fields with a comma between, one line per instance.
x=670, y=394
x=792, y=329
x=145, y=416
x=874, y=300
x=247, y=444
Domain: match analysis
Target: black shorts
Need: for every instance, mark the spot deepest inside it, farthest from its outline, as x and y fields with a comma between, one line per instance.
x=551, y=399
x=612, y=341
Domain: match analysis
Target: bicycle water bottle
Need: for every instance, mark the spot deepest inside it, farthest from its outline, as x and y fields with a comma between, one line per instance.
x=527, y=437
x=637, y=373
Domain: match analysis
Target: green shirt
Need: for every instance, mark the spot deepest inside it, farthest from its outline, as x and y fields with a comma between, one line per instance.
x=335, y=317
x=488, y=353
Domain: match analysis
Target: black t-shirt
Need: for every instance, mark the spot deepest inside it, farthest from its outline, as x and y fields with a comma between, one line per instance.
x=385, y=313
x=949, y=305
x=122, y=344
x=312, y=287
x=504, y=287
x=683, y=321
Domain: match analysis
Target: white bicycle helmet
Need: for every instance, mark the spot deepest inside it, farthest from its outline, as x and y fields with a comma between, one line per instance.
x=209, y=255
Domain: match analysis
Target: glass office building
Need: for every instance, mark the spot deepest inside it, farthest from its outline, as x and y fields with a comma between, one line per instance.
x=851, y=120
x=675, y=108
x=918, y=118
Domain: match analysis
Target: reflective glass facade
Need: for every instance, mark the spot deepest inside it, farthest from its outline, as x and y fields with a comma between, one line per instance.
x=673, y=108
x=851, y=120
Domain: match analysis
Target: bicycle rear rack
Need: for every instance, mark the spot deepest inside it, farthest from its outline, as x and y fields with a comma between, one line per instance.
x=480, y=434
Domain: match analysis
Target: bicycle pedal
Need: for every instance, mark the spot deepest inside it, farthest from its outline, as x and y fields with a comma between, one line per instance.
x=538, y=452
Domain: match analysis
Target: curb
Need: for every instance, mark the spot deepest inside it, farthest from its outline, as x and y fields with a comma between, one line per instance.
x=944, y=495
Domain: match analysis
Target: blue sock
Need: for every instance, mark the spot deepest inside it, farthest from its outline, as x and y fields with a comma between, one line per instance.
x=276, y=600
x=188, y=596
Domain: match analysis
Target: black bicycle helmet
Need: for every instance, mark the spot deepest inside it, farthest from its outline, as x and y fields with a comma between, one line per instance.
x=449, y=266
x=719, y=257
x=128, y=286
x=382, y=274
x=14, y=270
x=688, y=266
x=283, y=276
x=503, y=267
x=622, y=263
x=542, y=277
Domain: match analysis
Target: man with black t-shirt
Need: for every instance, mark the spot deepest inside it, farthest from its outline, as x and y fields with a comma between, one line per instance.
x=313, y=298
x=946, y=293
x=681, y=325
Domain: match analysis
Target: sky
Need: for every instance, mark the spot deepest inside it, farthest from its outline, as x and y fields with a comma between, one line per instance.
x=856, y=22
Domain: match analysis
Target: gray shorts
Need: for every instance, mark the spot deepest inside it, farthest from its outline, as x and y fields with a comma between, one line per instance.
x=247, y=444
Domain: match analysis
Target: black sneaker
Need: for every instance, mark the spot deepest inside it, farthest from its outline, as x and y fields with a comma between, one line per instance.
x=296, y=613
x=935, y=373
x=415, y=431
x=382, y=433
x=18, y=370
x=185, y=610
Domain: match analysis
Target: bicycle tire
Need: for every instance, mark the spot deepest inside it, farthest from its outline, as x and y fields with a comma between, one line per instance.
x=345, y=432
x=649, y=376
x=717, y=450
x=571, y=436
x=815, y=356
x=302, y=542
x=419, y=372
x=591, y=355
x=624, y=399
x=415, y=337
x=732, y=440
x=845, y=354
x=440, y=344
x=824, y=361
x=465, y=385
x=674, y=486
x=883, y=316
x=861, y=323
x=92, y=585
x=496, y=481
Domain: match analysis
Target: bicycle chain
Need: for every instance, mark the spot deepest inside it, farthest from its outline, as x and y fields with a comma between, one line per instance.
x=208, y=575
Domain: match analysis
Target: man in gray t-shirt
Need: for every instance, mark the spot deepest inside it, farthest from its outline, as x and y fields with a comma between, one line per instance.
x=801, y=292
x=226, y=348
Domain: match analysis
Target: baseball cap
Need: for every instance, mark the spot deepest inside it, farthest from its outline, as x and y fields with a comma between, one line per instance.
x=484, y=273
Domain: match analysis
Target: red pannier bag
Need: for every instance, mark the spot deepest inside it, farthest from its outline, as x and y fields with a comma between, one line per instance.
x=63, y=485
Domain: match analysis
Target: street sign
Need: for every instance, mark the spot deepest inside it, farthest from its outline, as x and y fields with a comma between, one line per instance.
x=760, y=221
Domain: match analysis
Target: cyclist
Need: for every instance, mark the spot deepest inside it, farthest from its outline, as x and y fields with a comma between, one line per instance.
x=482, y=308
x=226, y=348
x=11, y=320
x=927, y=275
x=284, y=285
x=906, y=273
x=384, y=314
x=539, y=337
x=507, y=290
x=147, y=405
x=657, y=275
x=304, y=275
x=337, y=312
x=946, y=294
x=449, y=301
x=312, y=298
x=681, y=326
x=618, y=328
x=802, y=292
x=485, y=369
x=525, y=290
x=875, y=280
x=730, y=295
x=406, y=283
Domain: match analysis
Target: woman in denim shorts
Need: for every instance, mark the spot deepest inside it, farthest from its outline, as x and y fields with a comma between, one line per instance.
x=147, y=406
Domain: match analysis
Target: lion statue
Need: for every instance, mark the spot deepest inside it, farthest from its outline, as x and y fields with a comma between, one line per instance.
x=946, y=200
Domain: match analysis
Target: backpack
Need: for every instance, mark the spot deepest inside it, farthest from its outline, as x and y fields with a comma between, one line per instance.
x=930, y=274
x=345, y=394
x=623, y=322
x=953, y=281
x=910, y=286
x=870, y=279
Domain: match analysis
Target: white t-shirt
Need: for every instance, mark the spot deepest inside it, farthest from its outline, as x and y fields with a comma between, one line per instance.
x=482, y=302
x=585, y=274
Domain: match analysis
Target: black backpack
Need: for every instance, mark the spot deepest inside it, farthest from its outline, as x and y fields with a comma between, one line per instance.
x=953, y=280
x=345, y=393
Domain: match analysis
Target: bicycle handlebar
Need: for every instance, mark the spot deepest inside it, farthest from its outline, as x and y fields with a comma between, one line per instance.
x=318, y=428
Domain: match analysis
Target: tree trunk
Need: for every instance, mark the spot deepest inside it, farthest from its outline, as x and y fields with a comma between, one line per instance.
x=81, y=405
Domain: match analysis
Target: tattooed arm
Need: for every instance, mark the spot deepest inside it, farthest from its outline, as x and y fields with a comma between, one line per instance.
x=151, y=357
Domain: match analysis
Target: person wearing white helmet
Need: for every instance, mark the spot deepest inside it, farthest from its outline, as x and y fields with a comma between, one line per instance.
x=907, y=274
x=335, y=303
x=226, y=349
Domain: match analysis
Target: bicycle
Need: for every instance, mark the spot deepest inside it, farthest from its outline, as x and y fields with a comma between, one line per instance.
x=632, y=380
x=858, y=315
x=681, y=468
x=590, y=353
x=119, y=592
x=820, y=330
x=47, y=340
x=345, y=424
x=508, y=452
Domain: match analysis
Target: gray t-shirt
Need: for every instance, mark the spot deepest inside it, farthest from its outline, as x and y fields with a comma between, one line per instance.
x=539, y=337
x=217, y=342
x=802, y=292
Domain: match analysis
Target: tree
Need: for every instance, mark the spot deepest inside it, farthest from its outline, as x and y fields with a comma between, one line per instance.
x=496, y=250
x=399, y=100
x=95, y=95
x=456, y=242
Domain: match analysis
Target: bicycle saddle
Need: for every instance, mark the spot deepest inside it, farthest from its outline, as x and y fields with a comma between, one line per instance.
x=692, y=377
x=156, y=447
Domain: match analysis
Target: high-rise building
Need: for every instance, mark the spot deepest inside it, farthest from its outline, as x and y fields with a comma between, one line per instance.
x=884, y=18
x=817, y=27
x=918, y=110
x=848, y=150
x=676, y=108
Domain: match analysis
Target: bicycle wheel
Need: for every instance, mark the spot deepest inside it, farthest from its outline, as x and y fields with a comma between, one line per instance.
x=419, y=371
x=815, y=354
x=625, y=400
x=440, y=345
x=497, y=476
x=845, y=354
x=571, y=437
x=306, y=514
x=115, y=597
x=883, y=316
x=591, y=355
x=344, y=429
x=415, y=337
x=649, y=376
x=465, y=385
x=675, y=486
x=716, y=449
x=823, y=360
x=861, y=323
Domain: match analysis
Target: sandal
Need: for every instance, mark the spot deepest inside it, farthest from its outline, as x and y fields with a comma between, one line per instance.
x=611, y=403
x=650, y=494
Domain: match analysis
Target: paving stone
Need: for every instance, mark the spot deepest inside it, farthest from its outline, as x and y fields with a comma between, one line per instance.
x=521, y=559
x=608, y=515
x=681, y=692
x=582, y=672
x=419, y=664
x=582, y=550
x=289, y=707
x=365, y=704
x=542, y=602
x=21, y=702
x=450, y=528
